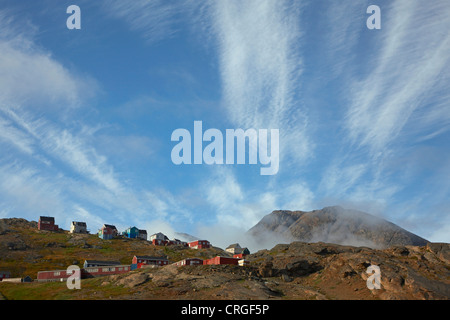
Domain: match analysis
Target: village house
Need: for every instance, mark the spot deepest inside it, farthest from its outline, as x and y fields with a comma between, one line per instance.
x=115, y=232
x=243, y=262
x=106, y=233
x=78, y=227
x=189, y=262
x=226, y=260
x=131, y=232
x=178, y=242
x=221, y=260
x=199, y=244
x=158, y=236
x=160, y=239
x=236, y=249
x=98, y=263
x=18, y=280
x=47, y=223
x=87, y=272
x=142, y=234
x=140, y=261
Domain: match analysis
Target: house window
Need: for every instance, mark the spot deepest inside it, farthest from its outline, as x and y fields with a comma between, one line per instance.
x=56, y=273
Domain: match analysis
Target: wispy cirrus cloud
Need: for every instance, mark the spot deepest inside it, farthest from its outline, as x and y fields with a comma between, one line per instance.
x=397, y=98
x=258, y=45
x=50, y=164
x=394, y=100
x=154, y=20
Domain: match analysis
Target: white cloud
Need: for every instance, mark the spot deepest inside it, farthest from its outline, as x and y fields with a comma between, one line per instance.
x=397, y=97
x=15, y=137
x=32, y=77
x=260, y=66
x=25, y=191
x=154, y=20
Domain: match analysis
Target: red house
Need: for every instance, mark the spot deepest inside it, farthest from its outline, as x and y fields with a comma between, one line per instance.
x=159, y=242
x=147, y=260
x=89, y=272
x=199, y=244
x=47, y=223
x=189, y=262
x=222, y=260
x=53, y=275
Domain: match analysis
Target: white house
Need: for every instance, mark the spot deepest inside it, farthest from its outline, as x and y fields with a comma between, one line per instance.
x=78, y=227
x=158, y=236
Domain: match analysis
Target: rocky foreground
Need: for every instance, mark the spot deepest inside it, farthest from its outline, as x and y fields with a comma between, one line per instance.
x=297, y=270
x=292, y=271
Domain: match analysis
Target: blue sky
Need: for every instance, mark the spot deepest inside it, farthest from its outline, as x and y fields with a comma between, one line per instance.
x=86, y=116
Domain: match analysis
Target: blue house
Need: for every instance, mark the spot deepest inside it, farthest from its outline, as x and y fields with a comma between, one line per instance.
x=131, y=232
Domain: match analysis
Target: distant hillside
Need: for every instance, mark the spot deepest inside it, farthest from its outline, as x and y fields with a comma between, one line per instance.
x=333, y=225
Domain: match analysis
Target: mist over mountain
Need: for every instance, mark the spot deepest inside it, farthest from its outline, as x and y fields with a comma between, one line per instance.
x=332, y=225
x=185, y=236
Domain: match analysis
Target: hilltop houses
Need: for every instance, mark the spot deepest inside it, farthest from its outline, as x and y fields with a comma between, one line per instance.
x=237, y=250
x=78, y=227
x=47, y=223
x=160, y=239
x=106, y=233
x=142, y=234
x=199, y=244
x=115, y=232
x=131, y=232
x=158, y=236
x=95, y=268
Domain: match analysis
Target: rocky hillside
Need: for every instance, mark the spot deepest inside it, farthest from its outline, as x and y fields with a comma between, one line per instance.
x=24, y=250
x=333, y=225
x=296, y=270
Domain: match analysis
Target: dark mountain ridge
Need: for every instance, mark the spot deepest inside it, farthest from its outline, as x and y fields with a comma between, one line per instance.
x=333, y=225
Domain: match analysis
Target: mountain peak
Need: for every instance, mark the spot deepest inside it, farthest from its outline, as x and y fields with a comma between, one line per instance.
x=333, y=224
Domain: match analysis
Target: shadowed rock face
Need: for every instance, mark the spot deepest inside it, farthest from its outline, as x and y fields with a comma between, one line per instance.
x=333, y=225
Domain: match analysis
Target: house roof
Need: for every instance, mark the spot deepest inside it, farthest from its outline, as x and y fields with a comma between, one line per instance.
x=234, y=245
x=150, y=258
x=160, y=233
x=109, y=226
x=49, y=219
x=79, y=223
x=103, y=263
